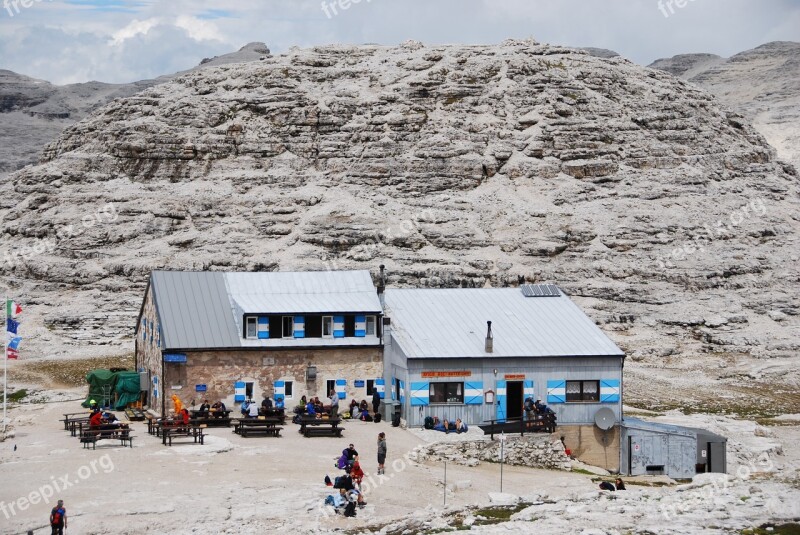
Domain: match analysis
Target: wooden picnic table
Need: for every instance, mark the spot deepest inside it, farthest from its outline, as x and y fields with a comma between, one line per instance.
x=69, y=416
x=76, y=423
x=91, y=436
x=279, y=413
x=250, y=426
x=168, y=433
x=535, y=423
x=196, y=413
x=320, y=427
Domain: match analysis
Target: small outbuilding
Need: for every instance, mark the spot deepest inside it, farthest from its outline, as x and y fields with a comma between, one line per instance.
x=676, y=451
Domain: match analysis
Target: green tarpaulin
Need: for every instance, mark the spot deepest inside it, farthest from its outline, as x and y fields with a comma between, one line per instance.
x=109, y=388
x=127, y=389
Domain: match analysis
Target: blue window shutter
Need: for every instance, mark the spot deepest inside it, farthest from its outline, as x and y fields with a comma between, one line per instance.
x=609, y=391
x=341, y=388
x=299, y=327
x=361, y=326
x=473, y=393
x=338, y=326
x=501, y=401
x=402, y=392
x=556, y=391
x=263, y=328
x=152, y=330
x=380, y=384
x=392, y=389
x=144, y=329
x=529, y=390
x=238, y=391
x=280, y=390
x=420, y=394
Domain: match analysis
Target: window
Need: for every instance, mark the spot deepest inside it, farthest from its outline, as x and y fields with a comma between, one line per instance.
x=288, y=389
x=330, y=384
x=248, y=390
x=313, y=326
x=349, y=326
x=327, y=326
x=288, y=327
x=252, y=327
x=370, y=386
x=583, y=391
x=371, y=326
x=446, y=393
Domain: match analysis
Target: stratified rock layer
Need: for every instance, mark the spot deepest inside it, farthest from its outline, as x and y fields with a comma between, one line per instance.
x=666, y=217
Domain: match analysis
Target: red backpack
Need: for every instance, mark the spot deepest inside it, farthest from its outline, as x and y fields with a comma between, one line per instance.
x=58, y=516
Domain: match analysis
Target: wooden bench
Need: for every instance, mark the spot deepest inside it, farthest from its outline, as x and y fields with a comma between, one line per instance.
x=320, y=427
x=251, y=426
x=537, y=423
x=222, y=421
x=194, y=432
x=72, y=416
x=91, y=436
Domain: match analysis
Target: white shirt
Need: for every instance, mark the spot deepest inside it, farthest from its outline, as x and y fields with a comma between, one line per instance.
x=253, y=409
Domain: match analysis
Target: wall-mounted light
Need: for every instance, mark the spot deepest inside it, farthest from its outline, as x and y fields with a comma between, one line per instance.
x=311, y=373
x=495, y=372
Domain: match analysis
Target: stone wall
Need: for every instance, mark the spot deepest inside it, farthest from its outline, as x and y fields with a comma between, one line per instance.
x=591, y=445
x=535, y=451
x=219, y=370
x=148, y=354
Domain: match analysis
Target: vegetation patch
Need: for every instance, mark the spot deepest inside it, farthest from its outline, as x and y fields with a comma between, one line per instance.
x=773, y=529
x=18, y=395
x=497, y=514
x=65, y=373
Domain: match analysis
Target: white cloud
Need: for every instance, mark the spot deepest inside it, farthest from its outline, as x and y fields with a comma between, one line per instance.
x=199, y=30
x=137, y=27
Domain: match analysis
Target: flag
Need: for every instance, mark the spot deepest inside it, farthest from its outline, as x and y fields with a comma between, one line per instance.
x=12, y=309
x=11, y=326
x=12, y=349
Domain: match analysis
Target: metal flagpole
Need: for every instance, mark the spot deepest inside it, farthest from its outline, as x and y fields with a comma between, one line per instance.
x=502, y=454
x=5, y=366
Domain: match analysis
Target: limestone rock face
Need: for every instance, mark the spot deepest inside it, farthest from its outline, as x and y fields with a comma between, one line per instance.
x=465, y=166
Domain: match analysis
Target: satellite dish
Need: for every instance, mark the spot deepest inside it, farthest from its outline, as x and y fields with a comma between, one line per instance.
x=605, y=419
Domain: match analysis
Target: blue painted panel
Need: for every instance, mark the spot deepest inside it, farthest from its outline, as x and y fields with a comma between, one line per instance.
x=420, y=394
x=501, y=401
x=556, y=391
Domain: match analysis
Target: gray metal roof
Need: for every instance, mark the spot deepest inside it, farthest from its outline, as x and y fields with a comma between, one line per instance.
x=206, y=309
x=451, y=323
x=671, y=429
x=194, y=310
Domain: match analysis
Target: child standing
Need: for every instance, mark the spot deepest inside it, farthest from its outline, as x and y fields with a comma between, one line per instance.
x=381, y=452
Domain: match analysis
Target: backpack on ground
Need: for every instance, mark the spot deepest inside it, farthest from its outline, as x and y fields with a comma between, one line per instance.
x=350, y=509
x=396, y=420
x=377, y=418
x=429, y=422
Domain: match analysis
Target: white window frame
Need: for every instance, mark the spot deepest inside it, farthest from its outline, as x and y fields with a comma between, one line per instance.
x=283, y=327
x=288, y=385
x=371, y=320
x=248, y=321
x=329, y=321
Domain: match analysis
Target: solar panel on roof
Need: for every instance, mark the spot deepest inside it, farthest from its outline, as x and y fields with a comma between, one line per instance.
x=540, y=290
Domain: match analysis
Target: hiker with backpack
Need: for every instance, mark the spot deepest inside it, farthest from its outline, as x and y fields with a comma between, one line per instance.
x=58, y=519
x=376, y=400
x=381, y=452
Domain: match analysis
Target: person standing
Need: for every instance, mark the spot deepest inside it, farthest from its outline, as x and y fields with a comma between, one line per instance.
x=381, y=452
x=376, y=400
x=334, y=405
x=58, y=519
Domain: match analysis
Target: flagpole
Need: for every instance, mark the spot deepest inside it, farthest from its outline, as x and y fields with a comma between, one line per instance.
x=5, y=369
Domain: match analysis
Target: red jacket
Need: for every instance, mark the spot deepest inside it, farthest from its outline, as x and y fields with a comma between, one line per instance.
x=96, y=419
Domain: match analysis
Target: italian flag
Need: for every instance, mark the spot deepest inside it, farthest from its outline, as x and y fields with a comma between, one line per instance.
x=12, y=309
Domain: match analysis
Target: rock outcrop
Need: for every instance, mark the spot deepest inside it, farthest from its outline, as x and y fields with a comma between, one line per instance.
x=666, y=216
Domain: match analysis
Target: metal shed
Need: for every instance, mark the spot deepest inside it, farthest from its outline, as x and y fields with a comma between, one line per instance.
x=676, y=451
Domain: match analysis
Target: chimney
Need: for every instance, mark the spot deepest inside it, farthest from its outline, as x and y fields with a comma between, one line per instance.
x=381, y=281
x=489, y=347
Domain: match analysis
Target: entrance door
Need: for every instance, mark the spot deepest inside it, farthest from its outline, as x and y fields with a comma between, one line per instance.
x=514, y=391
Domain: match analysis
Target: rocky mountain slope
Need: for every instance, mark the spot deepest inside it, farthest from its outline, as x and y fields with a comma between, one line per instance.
x=667, y=217
x=763, y=84
x=34, y=112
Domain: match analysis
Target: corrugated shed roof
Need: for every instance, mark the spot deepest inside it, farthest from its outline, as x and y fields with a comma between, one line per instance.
x=451, y=323
x=673, y=429
x=205, y=309
x=194, y=310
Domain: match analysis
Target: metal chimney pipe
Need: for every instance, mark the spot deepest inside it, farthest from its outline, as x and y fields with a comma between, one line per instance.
x=381, y=280
x=489, y=346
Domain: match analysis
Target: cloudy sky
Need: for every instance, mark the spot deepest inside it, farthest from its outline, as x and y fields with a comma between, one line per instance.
x=68, y=41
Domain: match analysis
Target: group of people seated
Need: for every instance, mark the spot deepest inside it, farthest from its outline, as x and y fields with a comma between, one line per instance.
x=536, y=408
x=217, y=410
x=360, y=410
x=449, y=425
x=101, y=421
x=348, y=485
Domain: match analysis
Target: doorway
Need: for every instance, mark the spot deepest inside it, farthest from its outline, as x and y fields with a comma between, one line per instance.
x=514, y=401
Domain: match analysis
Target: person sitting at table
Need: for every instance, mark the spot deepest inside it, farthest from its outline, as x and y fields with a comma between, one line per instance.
x=218, y=409
x=183, y=416
x=318, y=406
x=96, y=419
x=252, y=410
x=279, y=402
x=301, y=406
x=204, y=408
x=266, y=404
x=311, y=409
x=353, y=408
